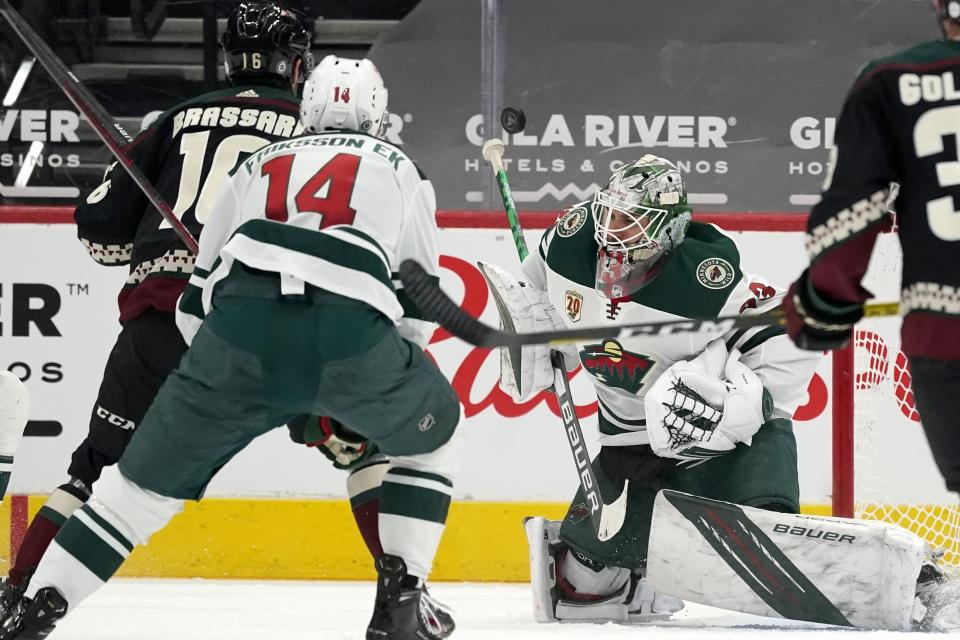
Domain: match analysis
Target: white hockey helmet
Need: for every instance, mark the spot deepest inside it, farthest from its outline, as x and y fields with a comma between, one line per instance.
x=344, y=93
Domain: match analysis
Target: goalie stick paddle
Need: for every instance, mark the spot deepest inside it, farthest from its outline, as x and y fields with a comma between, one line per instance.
x=435, y=304
x=111, y=133
x=607, y=519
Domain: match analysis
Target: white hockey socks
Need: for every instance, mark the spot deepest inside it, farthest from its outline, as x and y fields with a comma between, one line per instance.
x=414, y=500
x=99, y=537
x=14, y=411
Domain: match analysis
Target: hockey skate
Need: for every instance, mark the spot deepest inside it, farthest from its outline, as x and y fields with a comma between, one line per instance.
x=403, y=609
x=937, y=606
x=10, y=597
x=34, y=619
x=634, y=602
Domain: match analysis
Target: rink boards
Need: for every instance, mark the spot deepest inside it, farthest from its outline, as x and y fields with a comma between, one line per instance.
x=277, y=509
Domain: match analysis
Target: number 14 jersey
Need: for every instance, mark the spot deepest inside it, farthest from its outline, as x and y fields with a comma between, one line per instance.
x=339, y=210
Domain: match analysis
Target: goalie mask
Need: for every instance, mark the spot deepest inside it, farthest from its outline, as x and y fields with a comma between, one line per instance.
x=342, y=93
x=639, y=217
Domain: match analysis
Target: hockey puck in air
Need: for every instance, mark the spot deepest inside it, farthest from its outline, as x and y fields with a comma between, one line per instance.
x=513, y=120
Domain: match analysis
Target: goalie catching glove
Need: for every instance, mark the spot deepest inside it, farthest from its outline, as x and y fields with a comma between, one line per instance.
x=525, y=309
x=702, y=408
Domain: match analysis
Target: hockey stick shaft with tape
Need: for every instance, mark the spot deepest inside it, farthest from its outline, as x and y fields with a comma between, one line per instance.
x=493, y=153
x=607, y=519
x=111, y=133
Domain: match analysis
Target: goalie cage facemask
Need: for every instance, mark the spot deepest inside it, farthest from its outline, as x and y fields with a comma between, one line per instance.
x=639, y=217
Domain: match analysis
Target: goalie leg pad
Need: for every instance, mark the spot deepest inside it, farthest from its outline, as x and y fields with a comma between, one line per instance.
x=828, y=570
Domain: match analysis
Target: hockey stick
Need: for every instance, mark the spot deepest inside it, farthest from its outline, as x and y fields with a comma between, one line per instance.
x=111, y=133
x=435, y=304
x=607, y=519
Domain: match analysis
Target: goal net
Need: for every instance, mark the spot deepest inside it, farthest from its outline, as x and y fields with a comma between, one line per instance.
x=894, y=476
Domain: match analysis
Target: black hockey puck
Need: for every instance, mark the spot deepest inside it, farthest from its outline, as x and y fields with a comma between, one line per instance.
x=513, y=120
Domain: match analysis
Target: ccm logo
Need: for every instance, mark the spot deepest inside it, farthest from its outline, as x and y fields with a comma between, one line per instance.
x=114, y=419
x=813, y=533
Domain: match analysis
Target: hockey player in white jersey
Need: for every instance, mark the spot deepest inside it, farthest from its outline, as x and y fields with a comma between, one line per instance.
x=292, y=309
x=708, y=415
x=14, y=411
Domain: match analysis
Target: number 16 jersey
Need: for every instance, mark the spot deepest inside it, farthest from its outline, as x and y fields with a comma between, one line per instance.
x=338, y=210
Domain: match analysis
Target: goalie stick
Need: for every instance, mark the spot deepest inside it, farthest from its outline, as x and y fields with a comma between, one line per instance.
x=436, y=305
x=607, y=519
x=111, y=133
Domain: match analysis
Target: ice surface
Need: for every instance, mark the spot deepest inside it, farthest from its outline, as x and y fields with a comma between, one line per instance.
x=246, y=610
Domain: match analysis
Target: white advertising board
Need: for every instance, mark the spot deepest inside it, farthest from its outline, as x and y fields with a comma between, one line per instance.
x=56, y=333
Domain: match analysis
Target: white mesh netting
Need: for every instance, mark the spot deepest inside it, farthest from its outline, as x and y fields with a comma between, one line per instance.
x=895, y=477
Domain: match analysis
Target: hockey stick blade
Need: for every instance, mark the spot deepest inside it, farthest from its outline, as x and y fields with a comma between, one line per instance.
x=613, y=515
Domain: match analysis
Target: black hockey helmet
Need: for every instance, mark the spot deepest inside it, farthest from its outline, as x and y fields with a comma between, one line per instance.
x=263, y=39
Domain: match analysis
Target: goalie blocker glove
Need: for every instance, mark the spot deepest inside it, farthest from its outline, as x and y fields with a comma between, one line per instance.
x=525, y=371
x=814, y=323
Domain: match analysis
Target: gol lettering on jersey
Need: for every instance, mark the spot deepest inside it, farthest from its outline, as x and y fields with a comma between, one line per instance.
x=614, y=367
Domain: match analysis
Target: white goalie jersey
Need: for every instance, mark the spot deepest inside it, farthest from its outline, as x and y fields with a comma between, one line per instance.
x=365, y=204
x=702, y=280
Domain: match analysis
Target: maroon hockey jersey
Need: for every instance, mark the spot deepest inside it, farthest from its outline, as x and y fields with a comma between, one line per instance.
x=187, y=153
x=899, y=124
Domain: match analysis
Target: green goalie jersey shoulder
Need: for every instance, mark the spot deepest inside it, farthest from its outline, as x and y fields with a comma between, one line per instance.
x=696, y=281
x=698, y=277
x=569, y=248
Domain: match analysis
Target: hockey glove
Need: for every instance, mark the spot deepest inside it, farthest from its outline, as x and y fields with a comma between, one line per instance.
x=702, y=408
x=814, y=323
x=524, y=308
x=340, y=445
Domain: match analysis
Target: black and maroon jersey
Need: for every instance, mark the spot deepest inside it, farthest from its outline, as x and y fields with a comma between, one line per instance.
x=900, y=124
x=187, y=154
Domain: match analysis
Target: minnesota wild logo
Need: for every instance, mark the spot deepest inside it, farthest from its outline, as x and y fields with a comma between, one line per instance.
x=614, y=367
x=715, y=273
x=571, y=221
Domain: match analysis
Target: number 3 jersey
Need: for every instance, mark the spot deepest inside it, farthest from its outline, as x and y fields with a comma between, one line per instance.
x=187, y=153
x=900, y=123
x=338, y=210
x=701, y=279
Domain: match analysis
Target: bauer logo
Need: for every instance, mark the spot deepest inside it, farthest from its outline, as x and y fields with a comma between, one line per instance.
x=28, y=309
x=816, y=534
